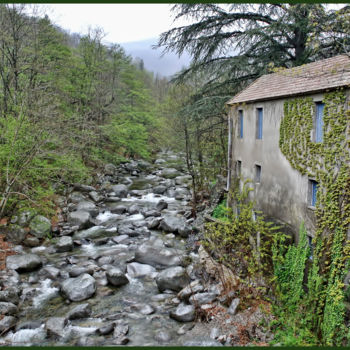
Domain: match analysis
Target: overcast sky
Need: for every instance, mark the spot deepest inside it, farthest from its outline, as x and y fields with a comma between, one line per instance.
x=121, y=22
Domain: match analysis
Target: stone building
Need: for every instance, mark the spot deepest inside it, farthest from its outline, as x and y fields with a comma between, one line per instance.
x=302, y=102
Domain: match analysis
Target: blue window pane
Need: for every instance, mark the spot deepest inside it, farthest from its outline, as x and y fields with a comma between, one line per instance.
x=241, y=124
x=260, y=124
x=313, y=193
x=319, y=122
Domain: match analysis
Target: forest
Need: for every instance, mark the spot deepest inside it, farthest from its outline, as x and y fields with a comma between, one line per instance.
x=70, y=104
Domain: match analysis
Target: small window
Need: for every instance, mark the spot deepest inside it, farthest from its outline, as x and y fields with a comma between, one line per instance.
x=257, y=173
x=319, y=122
x=240, y=124
x=259, y=123
x=313, y=185
x=238, y=168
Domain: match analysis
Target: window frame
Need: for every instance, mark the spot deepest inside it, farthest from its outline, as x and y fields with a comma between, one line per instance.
x=259, y=123
x=257, y=173
x=319, y=122
x=240, y=124
x=312, y=193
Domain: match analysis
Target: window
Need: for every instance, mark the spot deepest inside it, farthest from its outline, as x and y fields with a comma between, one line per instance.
x=259, y=123
x=240, y=124
x=319, y=122
x=311, y=246
x=313, y=185
x=257, y=173
x=238, y=168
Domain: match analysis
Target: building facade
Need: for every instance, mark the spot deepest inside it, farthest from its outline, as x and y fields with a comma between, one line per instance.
x=279, y=127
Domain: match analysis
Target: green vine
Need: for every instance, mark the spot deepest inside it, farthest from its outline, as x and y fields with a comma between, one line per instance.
x=328, y=163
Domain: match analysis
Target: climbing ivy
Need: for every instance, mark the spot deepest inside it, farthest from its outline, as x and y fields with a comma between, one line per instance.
x=328, y=162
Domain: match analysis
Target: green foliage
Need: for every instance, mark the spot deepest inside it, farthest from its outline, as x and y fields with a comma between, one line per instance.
x=328, y=162
x=221, y=211
x=243, y=243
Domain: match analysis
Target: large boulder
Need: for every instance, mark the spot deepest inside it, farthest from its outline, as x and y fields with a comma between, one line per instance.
x=92, y=232
x=79, y=288
x=160, y=189
x=80, y=219
x=88, y=206
x=25, y=216
x=202, y=298
x=80, y=311
x=7, y=308
x=136, y=270
x=23, y=262
x=55, y=325
x=183, y=313
x=193, y=287
x=175, y=224
x=120, y=190
x=116, y=277
x=64, y=244
x=173, y=278
x=155, y=256
x=15, y=233
x=40, y=226
x=170, y=173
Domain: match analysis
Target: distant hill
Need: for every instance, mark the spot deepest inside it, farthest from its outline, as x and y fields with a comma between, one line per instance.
x=165, y=66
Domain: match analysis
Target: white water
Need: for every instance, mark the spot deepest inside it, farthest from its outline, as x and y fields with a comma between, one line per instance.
x=150, y=198
x=103, y=217
x=27, y=336
x=46, y=293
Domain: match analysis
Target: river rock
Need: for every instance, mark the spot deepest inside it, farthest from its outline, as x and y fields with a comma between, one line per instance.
x=40, y=226
x=134, y=209
x=193, y=287
x=92, y=232
x=116, y=277
x=88, y=206
x=162, y=336
x=15, y=233
x=79, y=288
x=84, y=188
x=126, y=229
x=6, y=323
x=169, y=173
x=50, y=271
x=7, y=308
x=183, y=180
x=181, y=193
x=161, y=205
x=80, y=219
x=233, y=307
x=76, y=271
x=173, y=278
x=80, y=311
x=175, y=224
x=120, y=190
x=110, y=169
x=55, y=325
x=118, y=209
x=23, y=262
x=25, y=216
x=183, y=313
x=136, y=270
x=202, y=298
x=160, y=189
x=152, y=255
x=31, y=242
x=154, y=223
x=119, y=334
x=9, y=295
x=64, y=244
x=159, y=161
x=120, y=239
x=95, y=196
x=105, y=330
x=76, y=197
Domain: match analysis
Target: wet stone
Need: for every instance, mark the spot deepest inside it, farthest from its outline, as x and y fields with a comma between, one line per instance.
x=183, y=313
x=23, y=262
x=174, y=278
x=80, y=311
x=64, y=244
x=116, y=277
x=55, y=325
x=7, y=308
x=80, y=288
x=105, y=330
x=162, y=336
x=6, y=323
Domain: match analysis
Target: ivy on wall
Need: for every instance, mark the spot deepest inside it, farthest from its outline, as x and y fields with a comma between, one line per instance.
x=327, y=162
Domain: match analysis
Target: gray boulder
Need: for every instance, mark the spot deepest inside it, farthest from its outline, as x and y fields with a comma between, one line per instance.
x=183, y=180
x=15, y=233
x=173, y=278
x=25, y=216
x=55, y=325
x=202, y=298
x=120, y=190
x=9, y=295
x=233, y=307
x=183, y=313
x=193, y=287
x=79, y=288
x=181, y=193
x=118, y=209
x=161, y=205
x=6, y=323
x=23, y=262
x=154, y=223
x=136, y=270
x=84, y=188
x=64, y=244
x=110, y=169
x=170, y=173
x=134, y=209
x=80, y=311
x=92, y=232
x=160, y=189
x=175, y=224
x=40, y=226
x=95, y=196
x=76, y=197
x=80, y=219
x=7, y=308
x=88, y=206
x=31, y=242
x=152, y=255
x=116, y=277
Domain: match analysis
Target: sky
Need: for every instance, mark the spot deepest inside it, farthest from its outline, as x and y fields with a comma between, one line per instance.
x=121, y=22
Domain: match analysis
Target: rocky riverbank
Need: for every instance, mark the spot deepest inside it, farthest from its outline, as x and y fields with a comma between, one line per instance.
x=119, y=269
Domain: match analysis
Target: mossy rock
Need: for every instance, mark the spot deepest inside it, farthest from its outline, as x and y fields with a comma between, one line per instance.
x=40, y=226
